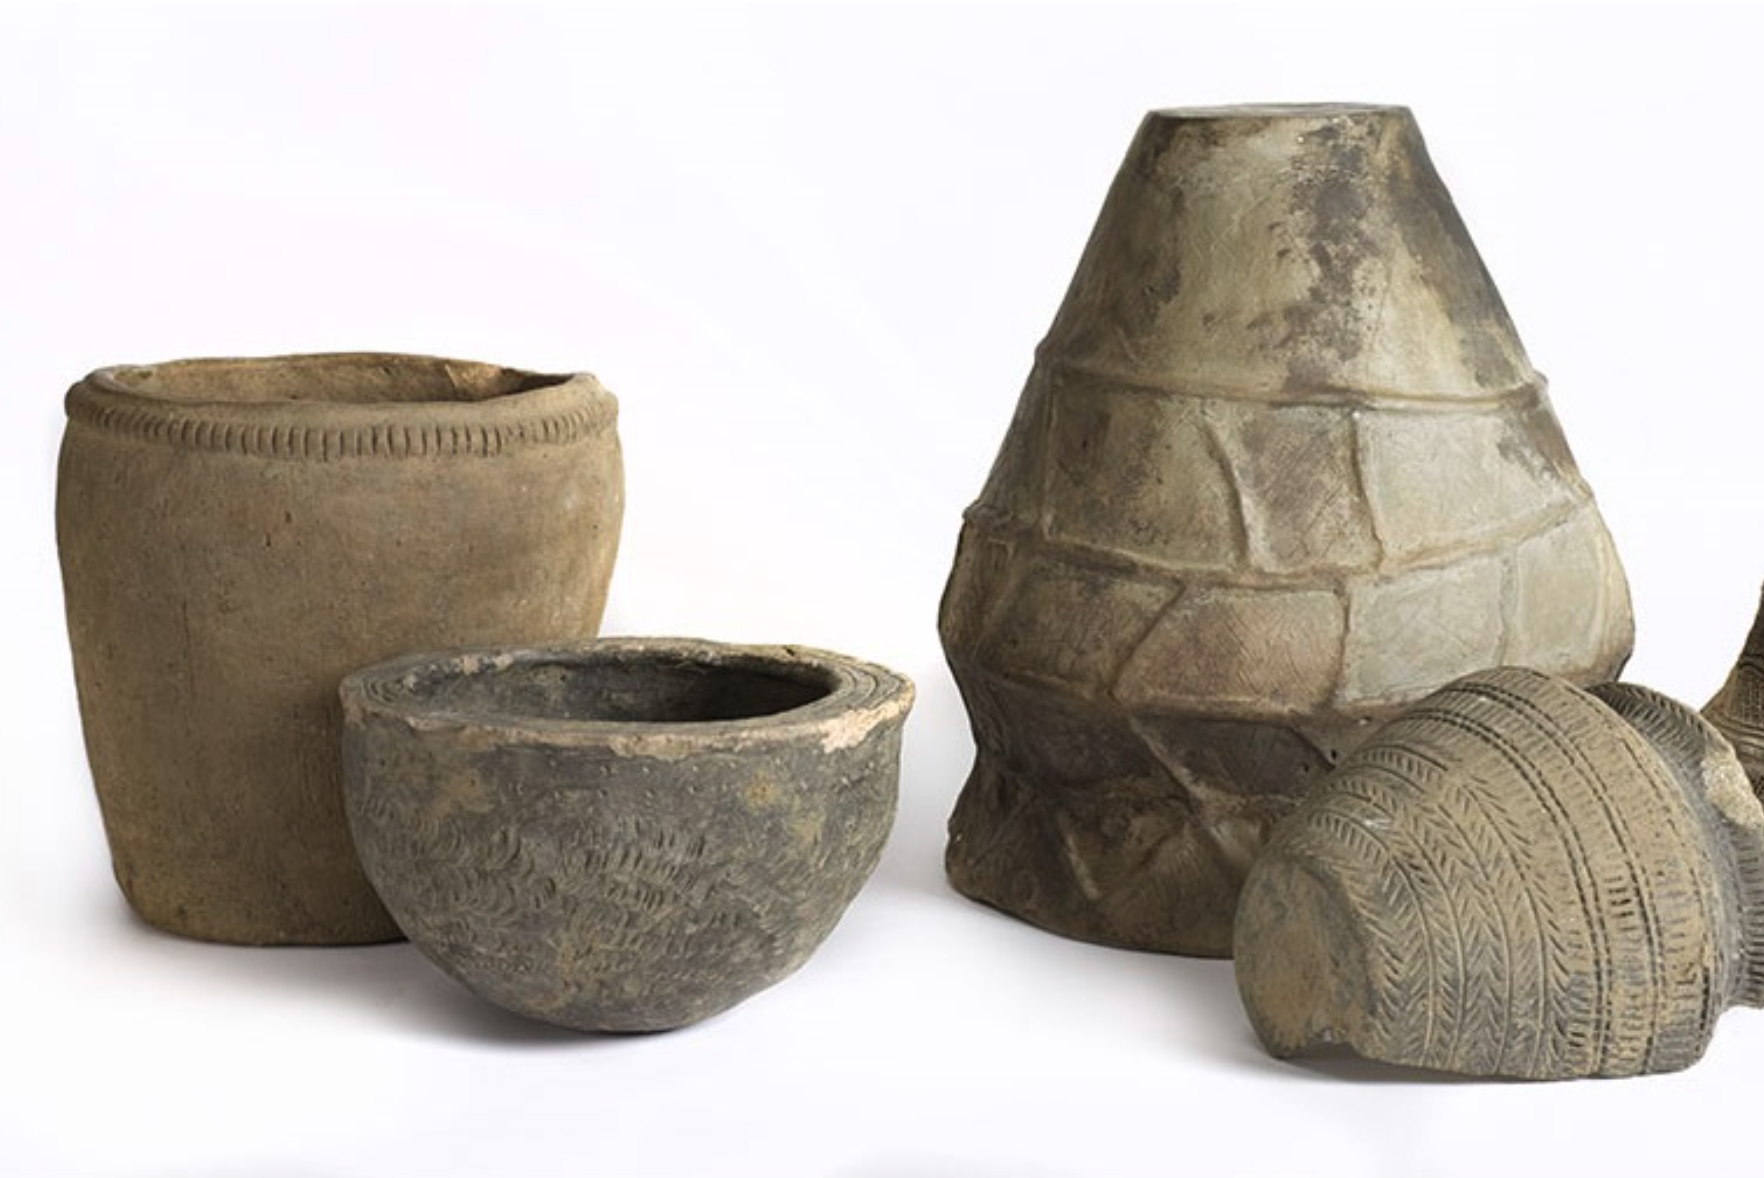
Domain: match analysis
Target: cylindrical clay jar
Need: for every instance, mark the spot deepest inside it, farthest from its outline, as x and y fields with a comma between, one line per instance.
x=236, y=535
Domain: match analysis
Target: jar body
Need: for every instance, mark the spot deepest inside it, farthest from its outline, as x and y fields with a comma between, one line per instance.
x=1281, y=467
x=1514, y=878
x=236, y=536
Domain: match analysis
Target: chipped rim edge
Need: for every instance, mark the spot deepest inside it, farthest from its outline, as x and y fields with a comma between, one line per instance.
x=863, y=697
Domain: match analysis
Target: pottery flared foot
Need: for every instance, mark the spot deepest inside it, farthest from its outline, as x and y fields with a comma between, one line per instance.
x=1125, y=829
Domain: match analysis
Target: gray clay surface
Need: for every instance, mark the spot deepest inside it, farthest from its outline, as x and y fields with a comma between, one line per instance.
x=1738, y=708
x=1514, y=878
x=236, y=535
x=1281, y=466
x=629, y=835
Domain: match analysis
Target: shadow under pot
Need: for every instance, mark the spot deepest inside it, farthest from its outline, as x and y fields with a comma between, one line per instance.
x=628, y=835
x=237, y=535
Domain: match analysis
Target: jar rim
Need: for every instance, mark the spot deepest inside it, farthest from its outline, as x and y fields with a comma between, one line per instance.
x=327, y=406
x=322, y=378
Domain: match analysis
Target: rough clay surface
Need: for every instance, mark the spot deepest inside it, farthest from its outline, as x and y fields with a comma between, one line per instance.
x=1281, y=466
x=1513, y=878
x=236, y=535
x=1738, y=708
x=631, y=835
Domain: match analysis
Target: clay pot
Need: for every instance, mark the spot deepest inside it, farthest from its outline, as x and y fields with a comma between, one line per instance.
x=1515, y=878
x=1738, y=708
x=237, y=534
x=1281, y=467
x=628, y=835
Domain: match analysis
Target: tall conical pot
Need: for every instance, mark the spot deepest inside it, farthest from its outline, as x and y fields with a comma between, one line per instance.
x=238, y=534
x=1281, y=467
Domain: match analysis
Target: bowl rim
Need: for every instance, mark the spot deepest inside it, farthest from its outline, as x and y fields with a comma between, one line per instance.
x=863, y=697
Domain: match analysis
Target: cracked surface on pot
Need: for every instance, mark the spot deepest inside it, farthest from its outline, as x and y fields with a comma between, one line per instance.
x=628, y=835
x=1281, y=466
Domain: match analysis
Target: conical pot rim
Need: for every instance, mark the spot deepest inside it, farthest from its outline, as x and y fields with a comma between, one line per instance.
x=1279, y=110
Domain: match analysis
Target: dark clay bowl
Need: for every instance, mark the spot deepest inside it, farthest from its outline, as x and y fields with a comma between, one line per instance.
x=622, y=835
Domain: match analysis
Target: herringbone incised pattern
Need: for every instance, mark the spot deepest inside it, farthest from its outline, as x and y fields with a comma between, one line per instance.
x=1542, y=888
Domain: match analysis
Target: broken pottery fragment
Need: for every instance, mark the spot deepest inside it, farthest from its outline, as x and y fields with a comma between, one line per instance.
x=1518, y=878
x=628, y=835
x=236, y=535
x=1738, y=708
x=1281, y=466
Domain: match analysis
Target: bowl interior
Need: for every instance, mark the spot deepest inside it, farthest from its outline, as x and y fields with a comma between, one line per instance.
x=359, y=379
x=643, y=690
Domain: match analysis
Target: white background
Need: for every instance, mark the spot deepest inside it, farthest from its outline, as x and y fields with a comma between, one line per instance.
x=812, y=250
